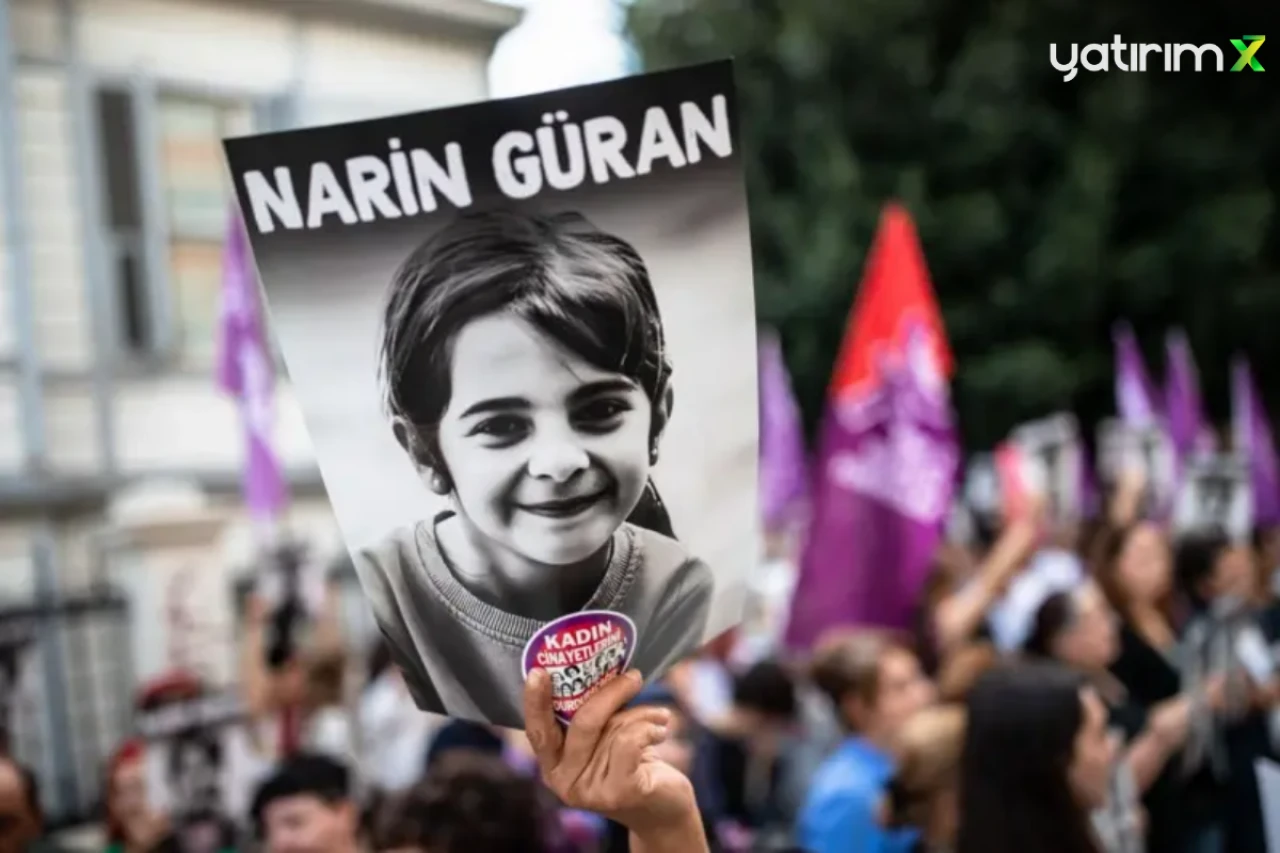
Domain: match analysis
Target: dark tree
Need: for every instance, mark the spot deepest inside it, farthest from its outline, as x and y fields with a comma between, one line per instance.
x=1047, y=209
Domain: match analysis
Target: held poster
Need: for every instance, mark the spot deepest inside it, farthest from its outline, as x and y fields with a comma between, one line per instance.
x=523, y=337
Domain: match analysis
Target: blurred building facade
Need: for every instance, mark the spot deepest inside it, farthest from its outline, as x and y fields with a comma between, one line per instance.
x=114, y=203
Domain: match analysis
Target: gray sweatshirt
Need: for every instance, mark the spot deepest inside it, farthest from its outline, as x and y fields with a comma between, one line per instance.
x=462, y=656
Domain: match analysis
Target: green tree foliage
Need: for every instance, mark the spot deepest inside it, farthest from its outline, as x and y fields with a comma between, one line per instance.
x=1047, y=209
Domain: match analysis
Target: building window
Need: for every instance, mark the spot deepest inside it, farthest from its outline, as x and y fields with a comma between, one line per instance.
x=197, y=197
x=167, y=196
x=124, y=234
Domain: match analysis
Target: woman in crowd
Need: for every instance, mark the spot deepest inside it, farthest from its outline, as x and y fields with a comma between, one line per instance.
x=923, y=794
x=1134, y=570
x=131, y=825
x=469, y=802
x=1078, y=629
x=875, y=685
x=1223, y=639
x=1035, y=764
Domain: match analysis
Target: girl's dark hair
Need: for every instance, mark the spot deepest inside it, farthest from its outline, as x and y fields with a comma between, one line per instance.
x=468, y=803
x=1055, y=615
x=1195, y=561
x=1014, y=792
x=586, y=289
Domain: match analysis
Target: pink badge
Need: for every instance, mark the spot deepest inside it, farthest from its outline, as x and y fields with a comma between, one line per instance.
x=581, y=652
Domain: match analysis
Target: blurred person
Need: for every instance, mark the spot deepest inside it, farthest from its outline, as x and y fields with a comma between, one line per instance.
x=289, y=681
x=703, y=682
x=1079, y=629
x=307, y=806
x=1266, y=550
x=1224, y=638
x=1134, y=569
x=464, y=736
x=962, y=613
x=395, y=733
x=470, y=802
x=326, y=722
x=1035, y=764
x=604, y=762
x=131, y=824
x=875, y=685
x=22, y=828
x=924, y=792
x=748, y=752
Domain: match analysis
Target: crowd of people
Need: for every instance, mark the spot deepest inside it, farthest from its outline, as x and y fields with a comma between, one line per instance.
x=1099, y=687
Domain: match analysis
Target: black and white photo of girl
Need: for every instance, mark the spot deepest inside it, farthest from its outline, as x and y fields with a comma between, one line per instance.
x=525, y=408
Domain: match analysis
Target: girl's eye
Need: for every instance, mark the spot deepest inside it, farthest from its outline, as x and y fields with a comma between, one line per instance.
x=506, y=427
x=600, y=412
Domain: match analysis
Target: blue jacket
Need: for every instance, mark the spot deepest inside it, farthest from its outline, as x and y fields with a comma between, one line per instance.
x=842, y=811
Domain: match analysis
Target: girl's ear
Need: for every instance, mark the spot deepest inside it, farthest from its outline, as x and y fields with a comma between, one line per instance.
x=407, y=438
x=413, y=444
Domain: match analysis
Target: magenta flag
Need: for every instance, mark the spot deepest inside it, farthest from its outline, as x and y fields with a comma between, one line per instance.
x=1183, y=409
x=784, y=474
x=888, y=457
x=245, y=371
x=1251, y=434
x=1136, y=401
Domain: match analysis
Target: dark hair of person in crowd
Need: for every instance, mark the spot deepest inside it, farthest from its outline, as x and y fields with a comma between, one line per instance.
x=303, y=775
x=1016, y=791
x=325, y=679
x=470, y=802
x=463, y=736
x=1196, y=562
x=849, y=663
x=1054, y=616
x=923, y=792
x=1112, y=546
x=767, y=689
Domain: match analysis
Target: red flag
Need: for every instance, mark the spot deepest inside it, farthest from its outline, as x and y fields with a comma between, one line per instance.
x=888, y=456
x=896, y=296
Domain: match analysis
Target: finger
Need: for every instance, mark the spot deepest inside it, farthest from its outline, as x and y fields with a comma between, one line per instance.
x=628, y=746
x=541, y=727
x=589, y=723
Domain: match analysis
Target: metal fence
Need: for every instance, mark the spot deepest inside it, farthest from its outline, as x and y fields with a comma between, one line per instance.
x=73, y=703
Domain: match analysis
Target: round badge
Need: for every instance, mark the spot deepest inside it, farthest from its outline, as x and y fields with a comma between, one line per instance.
x=581, y=652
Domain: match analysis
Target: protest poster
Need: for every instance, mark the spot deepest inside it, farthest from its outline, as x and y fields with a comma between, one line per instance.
x=1214, y=497
x=522, y=334
x=1145, y=450
x=197, y=760
x=1049, y=465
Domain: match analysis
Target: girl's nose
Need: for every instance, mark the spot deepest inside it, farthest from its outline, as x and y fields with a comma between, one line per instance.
x=557, y=460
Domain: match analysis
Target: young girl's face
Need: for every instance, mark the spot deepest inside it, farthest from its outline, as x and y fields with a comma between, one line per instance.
x=548, y=454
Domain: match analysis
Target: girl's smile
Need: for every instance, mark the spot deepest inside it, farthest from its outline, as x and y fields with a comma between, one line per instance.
x=547, y=453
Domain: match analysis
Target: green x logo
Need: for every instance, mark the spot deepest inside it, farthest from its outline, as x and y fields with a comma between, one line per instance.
x=1248, y=46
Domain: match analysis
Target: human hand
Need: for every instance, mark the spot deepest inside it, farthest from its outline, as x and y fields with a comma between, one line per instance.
x=604, y=761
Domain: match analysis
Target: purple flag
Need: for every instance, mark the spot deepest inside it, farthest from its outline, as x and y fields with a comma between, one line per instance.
x=1182, y=396
x=1136, y=402
x=783, y=466
x=1251, y=435
x=888, y=455
x=245, y=372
